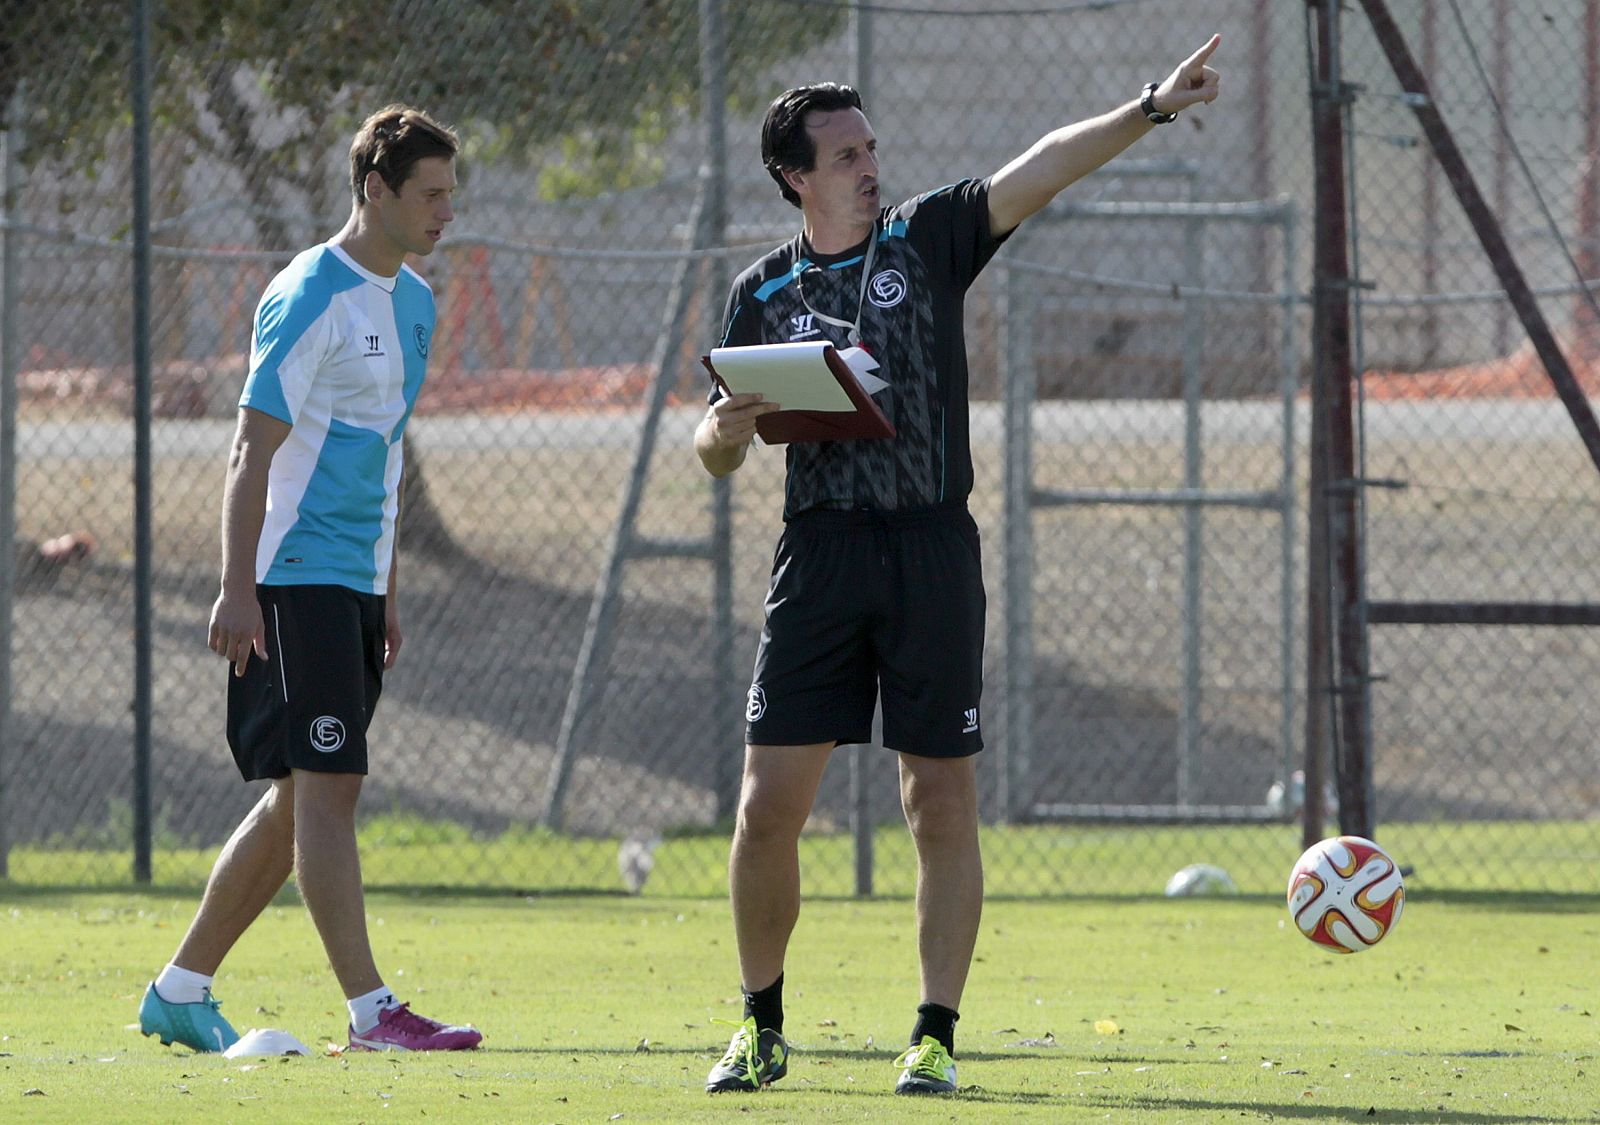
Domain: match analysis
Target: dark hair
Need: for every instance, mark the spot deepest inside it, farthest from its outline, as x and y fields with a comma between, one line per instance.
x=785, y=144
x=390, y=143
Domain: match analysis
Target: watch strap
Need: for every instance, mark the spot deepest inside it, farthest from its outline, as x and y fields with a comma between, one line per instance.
x=1147, y=103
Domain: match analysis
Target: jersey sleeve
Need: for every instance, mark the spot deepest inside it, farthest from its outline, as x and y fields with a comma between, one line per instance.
x=292, y=338
x=953, y=221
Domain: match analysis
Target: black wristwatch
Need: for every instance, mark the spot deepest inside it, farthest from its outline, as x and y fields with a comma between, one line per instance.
x=1147, y=102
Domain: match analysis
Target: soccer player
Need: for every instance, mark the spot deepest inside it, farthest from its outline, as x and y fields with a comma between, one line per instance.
x=876, y=585
x=307, y=615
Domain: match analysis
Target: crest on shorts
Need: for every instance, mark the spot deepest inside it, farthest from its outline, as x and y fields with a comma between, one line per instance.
x=327, y=734
x=756, y=704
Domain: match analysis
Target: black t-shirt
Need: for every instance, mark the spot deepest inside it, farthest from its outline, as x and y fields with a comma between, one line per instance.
x=929, y=250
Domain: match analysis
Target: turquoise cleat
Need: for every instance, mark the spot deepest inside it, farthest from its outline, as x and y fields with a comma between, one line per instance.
x=199, y=1026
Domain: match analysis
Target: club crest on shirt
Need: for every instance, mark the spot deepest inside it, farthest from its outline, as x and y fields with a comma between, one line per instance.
x=887, y=289
x=420, y=334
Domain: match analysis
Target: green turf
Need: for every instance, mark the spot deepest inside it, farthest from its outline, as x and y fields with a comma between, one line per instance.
x=404, y=853
x=1479, y=1009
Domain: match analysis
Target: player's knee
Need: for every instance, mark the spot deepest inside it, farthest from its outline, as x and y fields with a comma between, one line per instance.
x=769, y=812
x=940, y=812
x=277, y=806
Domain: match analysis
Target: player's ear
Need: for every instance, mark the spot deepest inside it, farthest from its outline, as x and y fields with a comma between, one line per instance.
x=374, y=187
x=795, y=179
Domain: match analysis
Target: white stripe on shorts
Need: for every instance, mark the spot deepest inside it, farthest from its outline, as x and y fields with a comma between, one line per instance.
x=282, y=677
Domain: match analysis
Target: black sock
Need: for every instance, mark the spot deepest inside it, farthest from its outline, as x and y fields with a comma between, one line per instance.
x=938, y=1021
x=766, y=1006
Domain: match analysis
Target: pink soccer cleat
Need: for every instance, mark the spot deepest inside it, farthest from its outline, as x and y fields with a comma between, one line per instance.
x=401, y=1029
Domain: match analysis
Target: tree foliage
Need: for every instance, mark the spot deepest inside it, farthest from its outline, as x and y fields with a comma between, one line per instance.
x=268, y=86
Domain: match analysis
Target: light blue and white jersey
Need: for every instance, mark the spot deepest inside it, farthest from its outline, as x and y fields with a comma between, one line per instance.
x=339, y=353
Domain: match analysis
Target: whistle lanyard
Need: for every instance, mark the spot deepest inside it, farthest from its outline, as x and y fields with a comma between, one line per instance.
x=852, y=327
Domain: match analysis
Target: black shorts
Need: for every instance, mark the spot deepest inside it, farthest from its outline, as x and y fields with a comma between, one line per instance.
x=868, y=601
x=308, y=705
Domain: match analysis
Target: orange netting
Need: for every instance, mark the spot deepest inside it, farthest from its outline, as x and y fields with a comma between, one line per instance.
x=1518, y=375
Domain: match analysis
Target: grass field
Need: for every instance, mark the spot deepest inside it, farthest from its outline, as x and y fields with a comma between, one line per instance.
x=1478, y=1010
x=407, y=854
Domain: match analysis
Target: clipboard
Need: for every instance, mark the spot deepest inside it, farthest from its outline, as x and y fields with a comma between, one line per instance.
x=867, y=420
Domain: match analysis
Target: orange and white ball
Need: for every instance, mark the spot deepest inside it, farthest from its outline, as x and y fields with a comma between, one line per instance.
x=1346, y=894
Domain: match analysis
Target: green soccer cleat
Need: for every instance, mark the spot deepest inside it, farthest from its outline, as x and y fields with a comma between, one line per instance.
x=926, y=1068
x=198, y=1026
x=754, y=1059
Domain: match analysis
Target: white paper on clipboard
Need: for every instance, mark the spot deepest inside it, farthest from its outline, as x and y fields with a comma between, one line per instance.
x=795, y=376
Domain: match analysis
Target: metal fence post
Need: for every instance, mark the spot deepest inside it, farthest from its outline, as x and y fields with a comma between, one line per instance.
x=10, y=352
x=1288, y=388
x=1017, y=391
x=861, y=825
x=724, y=694
x=1330, y=364
x=1194, y=330
x=143, y=639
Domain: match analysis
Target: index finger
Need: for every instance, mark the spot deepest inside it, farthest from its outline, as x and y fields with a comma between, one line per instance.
x=1205, y=52
x=739, y=401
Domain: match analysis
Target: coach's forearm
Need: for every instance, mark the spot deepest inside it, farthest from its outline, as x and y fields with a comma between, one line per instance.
x=719, y=460
x=1058, y=159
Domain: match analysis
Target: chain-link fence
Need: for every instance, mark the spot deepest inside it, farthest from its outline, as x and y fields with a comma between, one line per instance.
x=581, y=606
x=1482, y=497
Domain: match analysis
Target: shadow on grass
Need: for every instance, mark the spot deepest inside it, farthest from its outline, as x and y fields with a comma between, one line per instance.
x=1295, y=1111
x=974, y=1094
x=1526, y=902
x=803, y=1053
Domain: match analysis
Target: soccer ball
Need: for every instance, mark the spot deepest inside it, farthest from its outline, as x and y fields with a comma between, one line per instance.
x=1345, y=894
x=1200, y=879
x=1286, y=801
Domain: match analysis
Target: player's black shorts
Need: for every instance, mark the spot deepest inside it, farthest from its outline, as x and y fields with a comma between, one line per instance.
x=308, y=705
x=866, y=601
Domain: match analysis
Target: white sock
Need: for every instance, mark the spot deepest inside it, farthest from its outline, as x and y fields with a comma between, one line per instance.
x=364, y=1009
x=181, y=986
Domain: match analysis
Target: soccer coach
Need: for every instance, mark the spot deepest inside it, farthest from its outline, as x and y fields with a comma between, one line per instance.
x=876, y=584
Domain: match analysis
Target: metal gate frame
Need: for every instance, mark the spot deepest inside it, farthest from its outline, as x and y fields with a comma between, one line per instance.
x=1022, y=499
